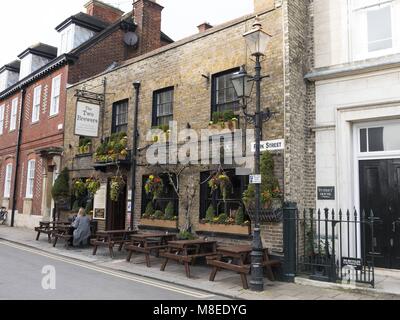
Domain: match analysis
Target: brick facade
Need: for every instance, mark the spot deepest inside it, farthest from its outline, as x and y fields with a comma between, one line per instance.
x=200, y=57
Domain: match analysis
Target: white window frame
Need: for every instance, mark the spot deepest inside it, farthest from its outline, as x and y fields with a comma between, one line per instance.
x=30, y=178
x=55, y=95
x=14, y=114
x=7, y=180
x=363, y=53
x=2, y=113
x=37, y=96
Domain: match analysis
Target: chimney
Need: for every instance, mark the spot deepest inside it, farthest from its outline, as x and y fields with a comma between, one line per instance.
x=204, y=27
x=263, y=5
x=103, y=11
x=147, y=14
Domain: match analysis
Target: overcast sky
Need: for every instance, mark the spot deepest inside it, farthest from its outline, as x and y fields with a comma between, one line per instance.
x=25, y=22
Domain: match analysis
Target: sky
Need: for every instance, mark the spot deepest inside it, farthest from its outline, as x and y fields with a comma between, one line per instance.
x=35, y=21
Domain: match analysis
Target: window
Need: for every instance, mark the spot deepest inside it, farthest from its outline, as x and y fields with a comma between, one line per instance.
x=2, y=110
x=168, y=195
x=224, y=95
x=7, y=181
x=163, y=111
x=30, y=180
x=36, y=104
x=55, y=95
x=120, y=117
x=234, y=198
x=14, y=112
x=67, y=37
x=380, y=138
x=374, y=27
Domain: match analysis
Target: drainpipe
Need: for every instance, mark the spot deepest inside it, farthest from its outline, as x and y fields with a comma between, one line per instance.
x=135, y=135
x=14, y=199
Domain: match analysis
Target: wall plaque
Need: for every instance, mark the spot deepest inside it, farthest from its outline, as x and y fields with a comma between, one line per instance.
x=326, y=193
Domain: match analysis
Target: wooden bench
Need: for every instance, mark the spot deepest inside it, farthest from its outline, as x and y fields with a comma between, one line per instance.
x=48, y=231
x=62, y=232
x=240, y=254
x=110, y=239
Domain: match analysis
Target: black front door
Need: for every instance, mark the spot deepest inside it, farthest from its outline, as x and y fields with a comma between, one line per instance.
x=116, y=210
x=380, y=192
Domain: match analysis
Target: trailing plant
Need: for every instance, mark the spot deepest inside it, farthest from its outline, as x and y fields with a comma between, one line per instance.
x=154, y=186
x=79, y=188
x=61, y=190
x=210, y=214
x=84, y=145
x=220, y=180
x=113, y=149
x=116, y=187
x=92, y=185
x=269, y=185
x=169, y=211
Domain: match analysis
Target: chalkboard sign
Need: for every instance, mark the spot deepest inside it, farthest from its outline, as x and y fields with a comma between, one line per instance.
x=326, y=193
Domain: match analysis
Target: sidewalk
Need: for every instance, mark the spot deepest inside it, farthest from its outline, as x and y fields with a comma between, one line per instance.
x=226, y=284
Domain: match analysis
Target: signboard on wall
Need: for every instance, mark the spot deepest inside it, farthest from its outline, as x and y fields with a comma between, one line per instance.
x=87, y=119
x=99, y=203
x=270, y=145
x=326, y=193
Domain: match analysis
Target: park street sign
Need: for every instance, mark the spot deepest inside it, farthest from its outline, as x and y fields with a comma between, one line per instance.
x=270, y=145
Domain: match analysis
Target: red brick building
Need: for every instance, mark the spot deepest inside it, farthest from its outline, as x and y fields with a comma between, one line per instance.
x=33, y=96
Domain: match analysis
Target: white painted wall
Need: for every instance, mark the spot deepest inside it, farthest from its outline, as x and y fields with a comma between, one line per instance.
x=337, y=32
x=341, y=103
x=72, y=37
x=30, y=63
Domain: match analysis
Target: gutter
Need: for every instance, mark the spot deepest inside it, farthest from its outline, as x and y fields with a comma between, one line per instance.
x=18, y=149
x=136, y=85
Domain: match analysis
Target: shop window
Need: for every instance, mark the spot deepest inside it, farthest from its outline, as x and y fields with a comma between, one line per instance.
x=120, y=117
x=233, y=201
x=167, y=195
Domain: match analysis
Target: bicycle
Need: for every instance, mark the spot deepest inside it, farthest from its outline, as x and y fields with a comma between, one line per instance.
x=3, y=215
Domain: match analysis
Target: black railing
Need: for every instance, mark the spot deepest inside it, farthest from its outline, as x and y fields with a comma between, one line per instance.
x=330, y=246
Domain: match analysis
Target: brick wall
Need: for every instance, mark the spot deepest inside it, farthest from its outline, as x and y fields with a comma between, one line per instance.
x=204, y=54
x=103, y=11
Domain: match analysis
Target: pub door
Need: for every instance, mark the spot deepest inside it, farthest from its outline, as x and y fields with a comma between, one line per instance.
x=380, y=192
x=116, y=211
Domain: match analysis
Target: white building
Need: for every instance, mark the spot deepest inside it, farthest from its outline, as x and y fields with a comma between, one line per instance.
x=357, y=78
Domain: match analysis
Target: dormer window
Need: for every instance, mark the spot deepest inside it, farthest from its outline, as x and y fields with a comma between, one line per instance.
x=35, y=57
x=67, y=37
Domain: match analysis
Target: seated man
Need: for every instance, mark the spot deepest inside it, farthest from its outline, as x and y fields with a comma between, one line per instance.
x=82, y=229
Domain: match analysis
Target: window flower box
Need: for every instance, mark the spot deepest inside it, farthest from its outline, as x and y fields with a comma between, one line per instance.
x=225, y=228
x=230, y=125
x=167, y=224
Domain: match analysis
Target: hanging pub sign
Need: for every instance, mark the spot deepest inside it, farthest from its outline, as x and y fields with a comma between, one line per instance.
x=326, y=193
x=87, y=119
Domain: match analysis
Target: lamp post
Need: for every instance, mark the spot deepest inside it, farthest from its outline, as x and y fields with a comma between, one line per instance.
x=257, y=41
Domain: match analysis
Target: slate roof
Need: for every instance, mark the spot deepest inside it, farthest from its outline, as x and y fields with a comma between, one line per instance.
x=40, y=49
x=84, y=20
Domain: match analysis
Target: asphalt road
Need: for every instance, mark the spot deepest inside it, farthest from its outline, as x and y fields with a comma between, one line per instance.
x=28, y=274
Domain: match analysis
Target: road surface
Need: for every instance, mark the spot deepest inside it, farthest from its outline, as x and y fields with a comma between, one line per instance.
x=30, y=274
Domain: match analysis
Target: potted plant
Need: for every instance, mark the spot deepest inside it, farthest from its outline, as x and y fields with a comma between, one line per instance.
x=271, y=195
x=61, y=191
x=224, y=120
x=84, y=145
x=164, y=136
x=114, y=149
x=159, y=219
x=92, y=185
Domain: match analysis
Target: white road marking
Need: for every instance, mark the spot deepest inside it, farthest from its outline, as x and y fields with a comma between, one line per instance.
x=112, y=273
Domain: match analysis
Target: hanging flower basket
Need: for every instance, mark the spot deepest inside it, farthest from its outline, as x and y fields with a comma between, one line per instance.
x=117, y=185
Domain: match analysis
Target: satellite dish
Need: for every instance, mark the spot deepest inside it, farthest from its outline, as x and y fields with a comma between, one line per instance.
x=131, y=39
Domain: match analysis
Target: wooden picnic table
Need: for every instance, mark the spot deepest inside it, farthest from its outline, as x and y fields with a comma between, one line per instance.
x=148, y=242
x=63, y=231
x=110, y=239
x=48, y=227
x=237, y=258
x=187, y=251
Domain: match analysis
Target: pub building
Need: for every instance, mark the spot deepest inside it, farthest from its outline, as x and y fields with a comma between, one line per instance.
x=189, y=82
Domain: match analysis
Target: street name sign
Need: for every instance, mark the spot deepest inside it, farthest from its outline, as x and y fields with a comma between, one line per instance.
x=270, y=145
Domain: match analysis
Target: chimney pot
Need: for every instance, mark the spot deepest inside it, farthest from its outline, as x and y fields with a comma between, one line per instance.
x=204, y=27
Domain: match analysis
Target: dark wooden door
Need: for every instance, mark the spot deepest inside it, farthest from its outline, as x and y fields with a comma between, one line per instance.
x=380, y=192
x=116, y=211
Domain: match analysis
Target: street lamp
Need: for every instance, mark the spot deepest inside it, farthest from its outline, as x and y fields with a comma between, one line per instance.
x=257, y=41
